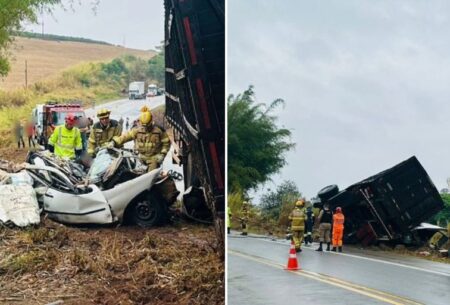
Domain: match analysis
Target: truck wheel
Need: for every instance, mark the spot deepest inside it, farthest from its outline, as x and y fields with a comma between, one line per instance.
x=148, y=211
x=328, y=192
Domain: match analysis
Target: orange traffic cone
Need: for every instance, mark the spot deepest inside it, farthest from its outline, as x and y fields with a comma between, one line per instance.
x=292, y=261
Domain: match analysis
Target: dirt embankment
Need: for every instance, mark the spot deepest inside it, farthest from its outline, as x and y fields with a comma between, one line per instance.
x=47, y=58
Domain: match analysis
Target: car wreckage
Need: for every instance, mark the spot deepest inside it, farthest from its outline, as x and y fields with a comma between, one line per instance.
x=388, y=206
x=116, y=188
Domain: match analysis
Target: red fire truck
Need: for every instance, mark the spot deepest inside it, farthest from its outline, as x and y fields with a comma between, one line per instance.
x=47, y=116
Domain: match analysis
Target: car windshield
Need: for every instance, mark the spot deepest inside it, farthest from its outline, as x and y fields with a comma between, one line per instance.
x=101, y=163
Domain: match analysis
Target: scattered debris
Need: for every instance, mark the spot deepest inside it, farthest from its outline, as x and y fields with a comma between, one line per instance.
x=18, y=205
x=98, y=265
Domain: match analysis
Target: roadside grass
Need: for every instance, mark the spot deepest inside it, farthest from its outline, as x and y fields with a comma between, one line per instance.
x=84, y=83
x=174, y=264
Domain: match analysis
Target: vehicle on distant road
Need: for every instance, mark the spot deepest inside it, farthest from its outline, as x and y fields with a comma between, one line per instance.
x=152, y=90
x=136, y=90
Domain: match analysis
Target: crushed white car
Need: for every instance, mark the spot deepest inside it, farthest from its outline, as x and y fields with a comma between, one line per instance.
x=117, y=188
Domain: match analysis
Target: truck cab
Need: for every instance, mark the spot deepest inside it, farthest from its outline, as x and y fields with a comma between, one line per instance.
x=136, y=90
x=152, y=90
x=47, y=116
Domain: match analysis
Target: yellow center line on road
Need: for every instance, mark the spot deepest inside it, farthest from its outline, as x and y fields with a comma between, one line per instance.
x=369, y=292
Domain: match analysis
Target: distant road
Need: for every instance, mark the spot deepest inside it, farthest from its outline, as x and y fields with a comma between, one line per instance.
x=256, y=276
x=127, y=108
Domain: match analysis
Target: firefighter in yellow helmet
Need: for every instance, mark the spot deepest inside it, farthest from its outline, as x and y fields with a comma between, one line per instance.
x=65, y=140
x=297, y=218
x=151, y=141
x=103, y=131
x=245, y=215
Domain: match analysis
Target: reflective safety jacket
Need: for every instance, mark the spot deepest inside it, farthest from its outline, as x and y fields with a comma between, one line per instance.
x=152, y=143
x=297, y=218
x=245, y=215
x=101, y=135
x=338, y=220
x=65, y=141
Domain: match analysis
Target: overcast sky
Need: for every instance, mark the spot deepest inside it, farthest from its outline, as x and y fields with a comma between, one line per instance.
x=366, y=83
x=138, y=23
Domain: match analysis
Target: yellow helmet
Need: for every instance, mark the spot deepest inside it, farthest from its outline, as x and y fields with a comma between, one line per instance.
x=103, y=113
x=146, y=116
x=300, y=203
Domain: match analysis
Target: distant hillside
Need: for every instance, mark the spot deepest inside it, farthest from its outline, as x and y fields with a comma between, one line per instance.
x=46, y=58
x=59, y=38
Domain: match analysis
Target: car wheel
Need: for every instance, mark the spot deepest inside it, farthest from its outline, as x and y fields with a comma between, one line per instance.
x=148, y=211
x=328, y=192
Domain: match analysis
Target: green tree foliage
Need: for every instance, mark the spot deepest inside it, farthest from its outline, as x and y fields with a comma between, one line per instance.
x=12, y=14
x=156, y=68
x=278, y=204
x=115, y=68
x=53, y=37
x=443, y=217
x=138, y=69
x=256, y=145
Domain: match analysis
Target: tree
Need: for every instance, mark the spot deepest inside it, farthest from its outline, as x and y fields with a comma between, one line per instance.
x=12, y=14
x=256, y=145
x=156, y=66
x=443, y=217
x=283, y=198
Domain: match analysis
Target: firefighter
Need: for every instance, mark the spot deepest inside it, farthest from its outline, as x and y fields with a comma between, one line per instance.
x=309, y=223
x=297, y=218
x=152, y=143
x=338, y=229
x=65, y=140
x=325, y=218
x=102, y=132
x=150, y=140
x=244, y=218
x=228, y=220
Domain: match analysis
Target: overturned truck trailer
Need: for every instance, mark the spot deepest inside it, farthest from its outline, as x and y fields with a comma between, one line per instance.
x=195, y=103
x=388, y=205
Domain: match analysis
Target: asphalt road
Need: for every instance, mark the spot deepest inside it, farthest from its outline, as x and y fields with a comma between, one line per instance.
x=124, y=108
x=256, y=275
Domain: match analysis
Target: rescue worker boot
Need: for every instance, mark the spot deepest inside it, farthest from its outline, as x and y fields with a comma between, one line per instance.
x=328, y=246
x=334, y=249
x=340, y=249
x=320, y=247
x=298, y=250
x=244, y=233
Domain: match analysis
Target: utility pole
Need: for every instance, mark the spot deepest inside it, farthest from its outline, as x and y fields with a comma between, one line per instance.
x=26, y=74
x=42, y=18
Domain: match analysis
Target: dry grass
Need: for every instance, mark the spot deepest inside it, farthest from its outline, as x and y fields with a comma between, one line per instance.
x=48, y=58
x=176, y=264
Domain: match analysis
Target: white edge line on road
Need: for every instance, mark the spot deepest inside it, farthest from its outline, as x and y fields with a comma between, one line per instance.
x=367, y=258
x=374, y=294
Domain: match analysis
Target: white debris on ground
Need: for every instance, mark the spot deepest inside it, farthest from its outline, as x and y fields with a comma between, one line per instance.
x=18, y=203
